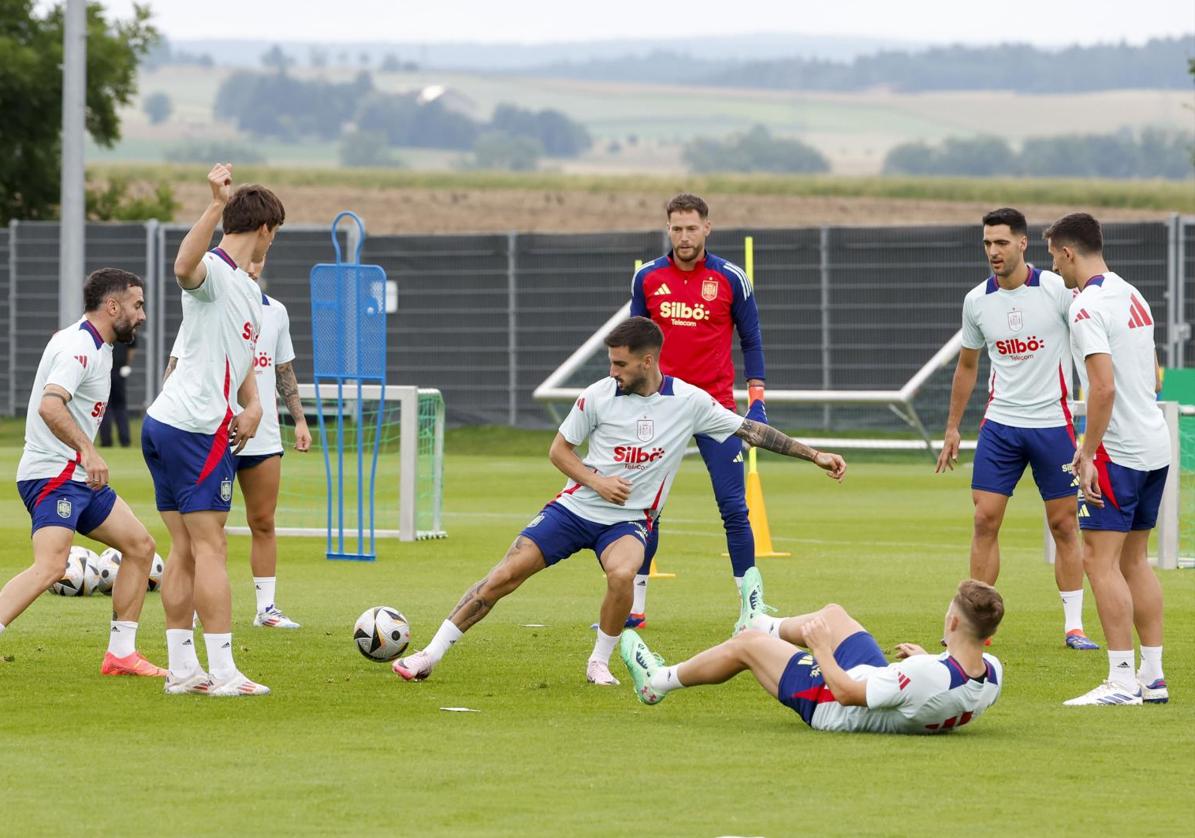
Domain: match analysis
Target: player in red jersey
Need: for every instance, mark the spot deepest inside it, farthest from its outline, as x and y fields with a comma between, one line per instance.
x=699, y=300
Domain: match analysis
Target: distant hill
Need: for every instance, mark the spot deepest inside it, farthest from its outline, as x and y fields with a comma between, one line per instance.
x=519, y=56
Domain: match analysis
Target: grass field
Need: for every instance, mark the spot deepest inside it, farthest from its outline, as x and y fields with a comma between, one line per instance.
x=344, y=747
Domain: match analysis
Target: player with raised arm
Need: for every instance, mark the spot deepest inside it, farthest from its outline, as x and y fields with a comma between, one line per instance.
x=844, y=682
x=1019, y=315
x=638, y=423
x=62, y=478
x=1123, y=461
x=699, y=300
x=259, y=463
x=192, y=431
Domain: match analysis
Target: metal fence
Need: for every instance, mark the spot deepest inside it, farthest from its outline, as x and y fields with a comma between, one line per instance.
x=485, y=318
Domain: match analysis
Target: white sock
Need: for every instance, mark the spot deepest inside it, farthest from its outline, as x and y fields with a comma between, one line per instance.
x=180, y=651
x=639, y=604
x=263, y=587
x=219, y=655
x=122, y=639
x=2, y=628
x=1072, y=610
x=1120, y=668
x=445, y=639
x=738, y=583
x=665, y=679
x=1151, y=664
x=768, y=625
x=604, y=646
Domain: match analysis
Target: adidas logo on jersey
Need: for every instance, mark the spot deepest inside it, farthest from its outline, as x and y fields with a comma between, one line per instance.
x=662, y=290
x=82, y=359
x=1138, y=314
x=1082, y=315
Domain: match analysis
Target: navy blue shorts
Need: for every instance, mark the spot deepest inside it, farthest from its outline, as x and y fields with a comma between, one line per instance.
x=1003, y=452
x=802, y=687
x=1131, y=498
x=244, y=461
x=558, y=533
x=54, y=502
x=191, y=472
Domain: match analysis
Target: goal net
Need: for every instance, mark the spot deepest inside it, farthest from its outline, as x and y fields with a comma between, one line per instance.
x=408, y=491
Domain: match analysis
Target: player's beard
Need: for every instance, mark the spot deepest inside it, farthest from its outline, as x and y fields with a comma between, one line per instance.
x=125, y=330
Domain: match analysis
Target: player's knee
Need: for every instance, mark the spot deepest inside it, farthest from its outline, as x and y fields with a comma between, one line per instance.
x=834, y=611
x=48, y=572
x=986, y=523
x=1064, y=527
x=622, y=574
x=261, y=524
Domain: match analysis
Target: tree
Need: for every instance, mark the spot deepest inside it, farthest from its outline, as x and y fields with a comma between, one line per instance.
x=755, y=151
x=31, y=95
x=112, y=201
x=276, y=59
x=158, y=107
x=559, y=135
x=499, y=150
x=367, y=149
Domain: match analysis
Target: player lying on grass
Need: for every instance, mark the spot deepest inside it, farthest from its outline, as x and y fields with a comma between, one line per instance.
x=638, y=423
x=846, y=684
x=63, y=479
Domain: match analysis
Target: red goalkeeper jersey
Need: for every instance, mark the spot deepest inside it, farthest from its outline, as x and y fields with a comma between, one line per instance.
x=698, y=311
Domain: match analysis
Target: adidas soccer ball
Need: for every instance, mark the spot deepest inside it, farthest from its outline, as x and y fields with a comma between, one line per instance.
x=382, y=634
x=91, y=573
x=108, y=566
x=71, y=583
x=155, y=573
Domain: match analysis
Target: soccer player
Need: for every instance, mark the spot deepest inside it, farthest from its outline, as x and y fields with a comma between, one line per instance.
x=63, y=480
x=259, y=463
x=118, y=402
x=1123, y=461
x=191, y=427
x=699, y=300
x=638, y=422
x=844, y=682
x=1019, y=315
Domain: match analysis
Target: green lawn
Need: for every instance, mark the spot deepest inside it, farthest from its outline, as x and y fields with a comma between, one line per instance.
x=344, y=747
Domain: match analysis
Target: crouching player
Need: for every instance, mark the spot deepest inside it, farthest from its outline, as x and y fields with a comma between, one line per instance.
x=846, y=684
x=62, y=478
x=638, y=423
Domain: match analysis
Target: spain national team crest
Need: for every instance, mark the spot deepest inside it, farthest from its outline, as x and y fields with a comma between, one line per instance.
x=64, y=508
x=709, y=289
x=645, y=430
x=1016, y=320
x=226, y=490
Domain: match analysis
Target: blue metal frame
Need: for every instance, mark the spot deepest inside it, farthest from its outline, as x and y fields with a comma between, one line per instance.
x=350, y=372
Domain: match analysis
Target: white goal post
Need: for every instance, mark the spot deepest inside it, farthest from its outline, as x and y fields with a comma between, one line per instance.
x=410, y=476
x=900, y=402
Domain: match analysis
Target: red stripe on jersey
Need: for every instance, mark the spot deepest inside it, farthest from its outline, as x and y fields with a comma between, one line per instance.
x=1066, y=408
x=991, y=397
x=1105, y=480
x=58, y=481
x=651, y=520
x=820, y=694
x=220, y=441
x=1140, y=310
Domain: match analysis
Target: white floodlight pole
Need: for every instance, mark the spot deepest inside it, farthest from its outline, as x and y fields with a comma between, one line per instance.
x=74, y=93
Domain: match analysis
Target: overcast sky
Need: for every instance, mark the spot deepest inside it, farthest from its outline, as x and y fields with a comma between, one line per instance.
x=1053, y=22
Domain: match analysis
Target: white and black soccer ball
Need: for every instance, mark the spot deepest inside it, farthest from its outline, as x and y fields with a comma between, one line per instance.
x=155, y=573
x=71, y=583
x=91, y=573
x=382, y=634
x=108, y=566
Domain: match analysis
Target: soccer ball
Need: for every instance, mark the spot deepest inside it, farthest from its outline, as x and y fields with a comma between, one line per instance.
x=71, y=583
x=155, y=573
x=108, y=566
x=382, y=634
x=91, y=573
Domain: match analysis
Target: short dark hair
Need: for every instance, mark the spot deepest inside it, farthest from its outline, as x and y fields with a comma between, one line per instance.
x=105, y=283
x=637, y=334
x=251, y=206
x=1078, y=230
x=687, y=202
x=1015, y=219
x=981, y=606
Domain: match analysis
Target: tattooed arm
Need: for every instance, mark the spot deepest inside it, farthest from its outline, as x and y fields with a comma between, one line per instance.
x=767, y=437
x=288, y=390
x=170, y=365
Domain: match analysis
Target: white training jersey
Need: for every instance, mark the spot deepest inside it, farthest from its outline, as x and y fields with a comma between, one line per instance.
x=273, y=347
x=1111, y=317
x=77, y=360
x=641, y=439
x=921, y=694
x=1025, y=333
x=221, y=322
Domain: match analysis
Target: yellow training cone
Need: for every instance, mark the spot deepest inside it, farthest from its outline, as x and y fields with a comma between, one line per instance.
x=655, y=574
x=757, y=513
